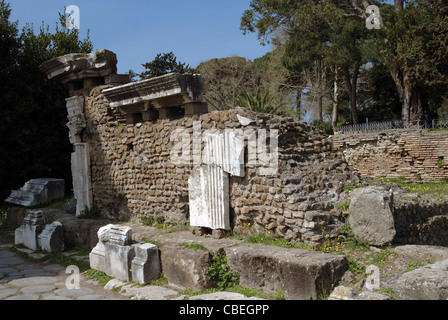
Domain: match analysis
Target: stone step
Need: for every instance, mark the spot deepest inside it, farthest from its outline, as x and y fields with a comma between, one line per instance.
x=298, y=273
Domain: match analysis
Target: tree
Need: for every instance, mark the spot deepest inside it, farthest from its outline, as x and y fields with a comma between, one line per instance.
x=163, y=64
x=320, y=38
x=264, y=103
x=225, y=79
x=34, y=135
x=415, y=51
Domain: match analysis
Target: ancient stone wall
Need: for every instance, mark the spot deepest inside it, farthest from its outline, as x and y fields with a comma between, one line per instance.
x=135, y=169
x=417, y=155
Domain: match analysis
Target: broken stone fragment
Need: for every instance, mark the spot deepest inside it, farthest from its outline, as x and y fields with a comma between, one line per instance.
x=167, y=91
x=79, y=66
x=37, y=191
x=117, y=255
x=208, y=188
x=244, y=121
x=145, y=265
x=27, y=234
x=52, y=237
x=225, y=150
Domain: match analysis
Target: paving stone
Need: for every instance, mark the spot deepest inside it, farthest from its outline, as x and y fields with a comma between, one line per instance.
x=9, y=260
x=54, y=267
x=25, y=297
x=6, y=292
x=73, y=292
x=33, y=281
x=36, y=273
x=38, y=289
x=50, y=296
x=149, y=292
x=7, y=270
x=91, y=297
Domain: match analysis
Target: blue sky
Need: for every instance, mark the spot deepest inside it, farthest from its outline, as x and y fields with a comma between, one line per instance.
x=136, y=30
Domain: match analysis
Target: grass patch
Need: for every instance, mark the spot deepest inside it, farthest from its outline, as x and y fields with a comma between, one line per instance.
x=350, y=241
x=413, y=265
x=92, y=213
x=435, y=189
x=97, y=275
x=272, y=241
x=194, y=246
x=156, y=243
x=7, y=233
x=388, y=292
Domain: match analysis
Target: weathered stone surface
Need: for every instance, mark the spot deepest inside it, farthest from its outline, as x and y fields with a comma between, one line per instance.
x=421, y=253
x=119, y=235
x=300, y=274
x=82, y=186
x=186, y=267
x=371, y=216
x=146, y=264
x=342, y=293
x=78, y=66
x=225, y=150
x=76, y=118
x=169, y=90
x=37, y=191
x=97, y=257
x=426, y=283
x=118, y=261
x=77, y=232
x=15, y=215
x=208, y=188
x=52, y=237
x=27, y=234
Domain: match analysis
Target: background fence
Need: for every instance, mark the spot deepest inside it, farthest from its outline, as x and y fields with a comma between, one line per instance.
x=390, y=125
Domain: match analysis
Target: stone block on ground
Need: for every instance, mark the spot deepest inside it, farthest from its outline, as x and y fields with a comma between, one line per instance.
x=37, y=191
x=118, y=261
x=146, y=264
x=371, y=215
x=298, y=273
x=429, y=282
x=52, y=237
x=27, y=234
x=186, y=267
x=97, y=257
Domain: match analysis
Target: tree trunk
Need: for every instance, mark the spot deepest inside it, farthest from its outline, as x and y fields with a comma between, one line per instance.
x=299, y=104
x=411, y=105
x=320, y=108
x=334, y=116
x=351, y=83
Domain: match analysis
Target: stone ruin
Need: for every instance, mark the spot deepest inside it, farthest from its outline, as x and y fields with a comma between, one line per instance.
x=152, y=149
x=35, y=233
x=37, y=191
x=120, y=257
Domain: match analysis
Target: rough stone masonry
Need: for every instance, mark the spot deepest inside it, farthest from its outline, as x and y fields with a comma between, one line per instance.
x=136, y=145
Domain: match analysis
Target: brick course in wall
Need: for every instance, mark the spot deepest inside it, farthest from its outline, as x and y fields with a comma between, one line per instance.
x=417, y=155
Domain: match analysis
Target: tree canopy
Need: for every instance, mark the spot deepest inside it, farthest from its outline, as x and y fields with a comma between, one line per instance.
x=34, y=140
x=408, y=51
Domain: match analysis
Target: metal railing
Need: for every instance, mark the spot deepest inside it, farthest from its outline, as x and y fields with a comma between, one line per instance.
x=391, y=125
